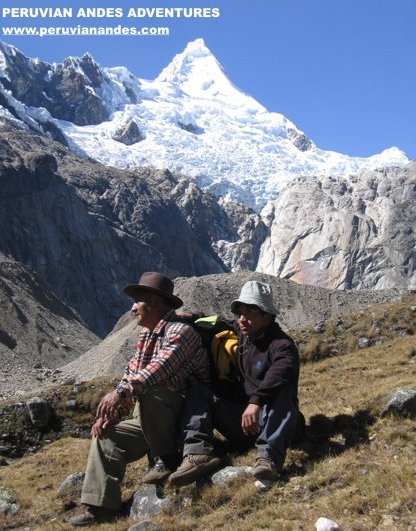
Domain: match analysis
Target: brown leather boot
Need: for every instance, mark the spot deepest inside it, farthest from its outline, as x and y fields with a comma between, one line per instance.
x=193, y=467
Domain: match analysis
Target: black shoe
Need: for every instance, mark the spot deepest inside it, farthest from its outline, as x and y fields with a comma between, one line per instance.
x=93, y=515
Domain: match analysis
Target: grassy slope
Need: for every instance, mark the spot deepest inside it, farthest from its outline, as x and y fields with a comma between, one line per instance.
x=356, y=468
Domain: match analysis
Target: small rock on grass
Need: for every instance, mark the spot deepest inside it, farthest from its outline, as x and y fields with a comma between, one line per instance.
x=325, y=524
x=72, y=483
x=264, y=485
x=145, y=525
x=7, y=495
x=225, y=475
x=10, y=509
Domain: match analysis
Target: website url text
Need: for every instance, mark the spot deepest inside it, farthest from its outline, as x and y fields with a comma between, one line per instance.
x=76, y=31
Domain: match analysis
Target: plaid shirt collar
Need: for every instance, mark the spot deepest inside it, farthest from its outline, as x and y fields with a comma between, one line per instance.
x=157, y=331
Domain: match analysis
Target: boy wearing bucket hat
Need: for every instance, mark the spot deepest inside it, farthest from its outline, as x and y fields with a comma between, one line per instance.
x=269, y=363
x=169, y=358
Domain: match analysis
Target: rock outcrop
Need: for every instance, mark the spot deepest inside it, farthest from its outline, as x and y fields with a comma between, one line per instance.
x=37, y=330
x=355, y=233
x=88, y=229
x=129, y=134
x=68, y=90
x=402, y=402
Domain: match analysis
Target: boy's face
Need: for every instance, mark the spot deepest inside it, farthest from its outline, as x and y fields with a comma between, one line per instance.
x=251, y=320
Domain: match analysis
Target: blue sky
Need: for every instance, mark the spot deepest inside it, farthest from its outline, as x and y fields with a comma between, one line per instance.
x=344, y=71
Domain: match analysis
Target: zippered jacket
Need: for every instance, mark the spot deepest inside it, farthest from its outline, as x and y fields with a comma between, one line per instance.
x=268, y=363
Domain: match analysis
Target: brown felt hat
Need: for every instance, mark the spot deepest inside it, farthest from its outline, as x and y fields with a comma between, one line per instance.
x=154, y=283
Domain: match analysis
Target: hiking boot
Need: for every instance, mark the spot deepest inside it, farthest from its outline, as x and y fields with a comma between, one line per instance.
x=265, y=469
x=158, y=474
x=93, y=515
x=193, y=467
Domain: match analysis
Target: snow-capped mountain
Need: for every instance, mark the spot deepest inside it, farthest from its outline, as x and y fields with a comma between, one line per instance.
x=340, y=222
x=190, y=119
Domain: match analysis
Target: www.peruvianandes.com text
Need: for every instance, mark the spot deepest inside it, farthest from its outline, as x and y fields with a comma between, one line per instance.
x=84, y=31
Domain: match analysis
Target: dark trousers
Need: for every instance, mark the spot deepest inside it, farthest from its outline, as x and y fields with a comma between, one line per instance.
x=278, y=421
x=204, y=410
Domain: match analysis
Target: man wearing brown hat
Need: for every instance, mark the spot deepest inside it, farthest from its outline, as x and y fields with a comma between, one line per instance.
x=169, y=359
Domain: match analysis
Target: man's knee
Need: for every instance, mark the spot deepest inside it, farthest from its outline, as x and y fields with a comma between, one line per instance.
x=279, y=419
x=123, y=440
x=107, y=445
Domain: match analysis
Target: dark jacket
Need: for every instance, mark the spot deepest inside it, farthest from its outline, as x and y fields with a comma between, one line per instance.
x=268, y=363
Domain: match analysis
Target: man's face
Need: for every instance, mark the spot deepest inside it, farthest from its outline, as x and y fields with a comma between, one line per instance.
x=145, y=310
x=251, y=320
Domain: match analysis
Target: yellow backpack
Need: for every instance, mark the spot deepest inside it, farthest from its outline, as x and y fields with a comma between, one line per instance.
x=224, y=351
x=221, y=342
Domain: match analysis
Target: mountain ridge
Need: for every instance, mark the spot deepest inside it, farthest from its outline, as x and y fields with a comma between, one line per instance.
x=224, y=139
x=336, y=230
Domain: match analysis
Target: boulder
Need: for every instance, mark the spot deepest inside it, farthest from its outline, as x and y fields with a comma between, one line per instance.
x=225, y=475
x=325, y=524
x=145, y=525
x=401, y=402
x=363, y=342
x=8, y=508
x=7, y=495
x=40, y=411
x=71, y=483
x=148, y=501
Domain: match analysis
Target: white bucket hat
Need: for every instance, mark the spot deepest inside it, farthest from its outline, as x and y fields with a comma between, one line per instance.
x=257, y=293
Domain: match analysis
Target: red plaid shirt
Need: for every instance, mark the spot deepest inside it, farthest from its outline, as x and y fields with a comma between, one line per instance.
x=171, y=356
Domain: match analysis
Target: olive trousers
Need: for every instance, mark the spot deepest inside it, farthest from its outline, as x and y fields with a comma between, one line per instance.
x=153, y=429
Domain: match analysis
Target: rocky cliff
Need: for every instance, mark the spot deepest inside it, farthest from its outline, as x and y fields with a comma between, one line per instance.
x=345, y=233
x=38, y=332
x=88, y=229
x=72, y=91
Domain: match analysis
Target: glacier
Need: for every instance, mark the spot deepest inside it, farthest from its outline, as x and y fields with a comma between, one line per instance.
x=192, y=120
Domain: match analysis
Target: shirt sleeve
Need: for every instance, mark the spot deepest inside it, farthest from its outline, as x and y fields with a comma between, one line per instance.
x=130, y=388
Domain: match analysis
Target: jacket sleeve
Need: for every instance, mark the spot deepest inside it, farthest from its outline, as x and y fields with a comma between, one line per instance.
x=282, y=369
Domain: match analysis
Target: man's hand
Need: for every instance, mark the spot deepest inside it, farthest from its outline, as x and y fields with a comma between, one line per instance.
x=98, y=427
x=108, y=406
x=250, y=419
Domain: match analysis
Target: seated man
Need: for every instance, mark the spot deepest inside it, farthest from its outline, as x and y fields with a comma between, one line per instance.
x=169, y=359
x=269, y=363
